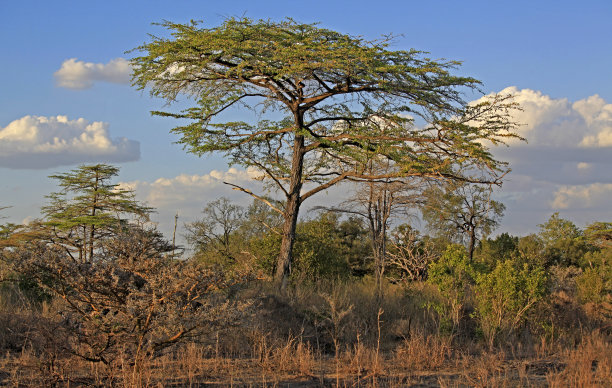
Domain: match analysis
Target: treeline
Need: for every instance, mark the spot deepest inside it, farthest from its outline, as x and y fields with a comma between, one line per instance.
x=119, y=290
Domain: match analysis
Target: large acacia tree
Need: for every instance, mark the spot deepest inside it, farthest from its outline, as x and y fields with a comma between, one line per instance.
x=323, y=105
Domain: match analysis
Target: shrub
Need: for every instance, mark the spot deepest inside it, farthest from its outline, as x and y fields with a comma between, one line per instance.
x=505, y=295
x=131, y=301
x=452, y=274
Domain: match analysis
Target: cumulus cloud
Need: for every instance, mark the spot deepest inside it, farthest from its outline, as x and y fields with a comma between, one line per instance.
x=565, y=165
x=37, y=142
x=550, y=122
x=568, y=142
x=75, y=74
x=583, y=196
x=187, y=195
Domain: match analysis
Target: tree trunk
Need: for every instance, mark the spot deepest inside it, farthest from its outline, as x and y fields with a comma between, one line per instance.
x=283, y=265
x=472, y=244
x=379, y=264
x=94, y=205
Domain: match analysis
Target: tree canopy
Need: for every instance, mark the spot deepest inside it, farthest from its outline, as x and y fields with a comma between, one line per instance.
x=324, y=104
x=464, y=213
x=88, y=208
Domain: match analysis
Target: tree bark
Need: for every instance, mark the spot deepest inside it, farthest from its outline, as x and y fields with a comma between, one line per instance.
x=472, y=244
x=285, y=257
x=94, y=205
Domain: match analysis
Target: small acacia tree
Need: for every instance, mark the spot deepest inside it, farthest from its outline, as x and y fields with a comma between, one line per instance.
x=333, y=102
x=88, y=209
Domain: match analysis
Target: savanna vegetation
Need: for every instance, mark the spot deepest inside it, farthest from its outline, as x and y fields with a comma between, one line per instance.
x=356, y=294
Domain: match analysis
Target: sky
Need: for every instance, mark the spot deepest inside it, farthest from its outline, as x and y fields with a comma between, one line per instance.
x=66, y=99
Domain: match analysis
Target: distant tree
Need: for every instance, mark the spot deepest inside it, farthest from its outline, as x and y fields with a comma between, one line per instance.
x=215, y=232
x=88, y=209
x=324, y=103
x=463, y=213
x=355, y=244
x=378, y=203
x=530, y=250
x=411, y=253
x=599, y=234
x=500, y=248
x=563, y=241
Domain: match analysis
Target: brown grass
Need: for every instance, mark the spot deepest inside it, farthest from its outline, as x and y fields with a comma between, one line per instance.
x=291, y=341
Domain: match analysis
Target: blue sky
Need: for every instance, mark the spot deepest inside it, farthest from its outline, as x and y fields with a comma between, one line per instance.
x=556, y=56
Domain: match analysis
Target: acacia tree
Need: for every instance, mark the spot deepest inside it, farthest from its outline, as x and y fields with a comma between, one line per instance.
x=88, y=209
x=463, y=213
x=324, y=103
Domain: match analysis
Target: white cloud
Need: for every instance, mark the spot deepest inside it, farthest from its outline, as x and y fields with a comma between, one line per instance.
x=75, y=74
x=583, y=196
x=189, y=193
x=566, y=165
x=583, y=166
x=550, y=122
x=37, y=142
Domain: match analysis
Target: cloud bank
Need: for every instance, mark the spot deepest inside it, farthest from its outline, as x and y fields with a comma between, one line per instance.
x=187, y=195
x=75, y=74
x=37, y=142
x=549, y=122
x=566, y=165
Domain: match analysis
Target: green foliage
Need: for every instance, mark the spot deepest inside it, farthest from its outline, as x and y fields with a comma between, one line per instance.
x=505, y=295
x=563, y=241
x=453, y=274
x=503, y=247
x=296, y=67
x=264, y=250
x=595, y=282
x=599, y=234
x=325, y=246
x=319, y=249
x=88, y=209
x=530, y=250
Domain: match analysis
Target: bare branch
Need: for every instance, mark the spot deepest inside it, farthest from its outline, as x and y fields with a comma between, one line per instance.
x=262, y=199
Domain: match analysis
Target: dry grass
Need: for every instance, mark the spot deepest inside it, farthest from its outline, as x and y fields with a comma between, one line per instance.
x=589, y=365
x=423, y=361
x=420, y=352
x=386, y=343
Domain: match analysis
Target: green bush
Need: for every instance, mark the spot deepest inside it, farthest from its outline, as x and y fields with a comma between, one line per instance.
x=595, y=282
x=453, y=274
x=505, y=295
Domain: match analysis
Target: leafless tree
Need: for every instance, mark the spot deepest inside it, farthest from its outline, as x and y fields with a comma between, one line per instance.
x=410, y=254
